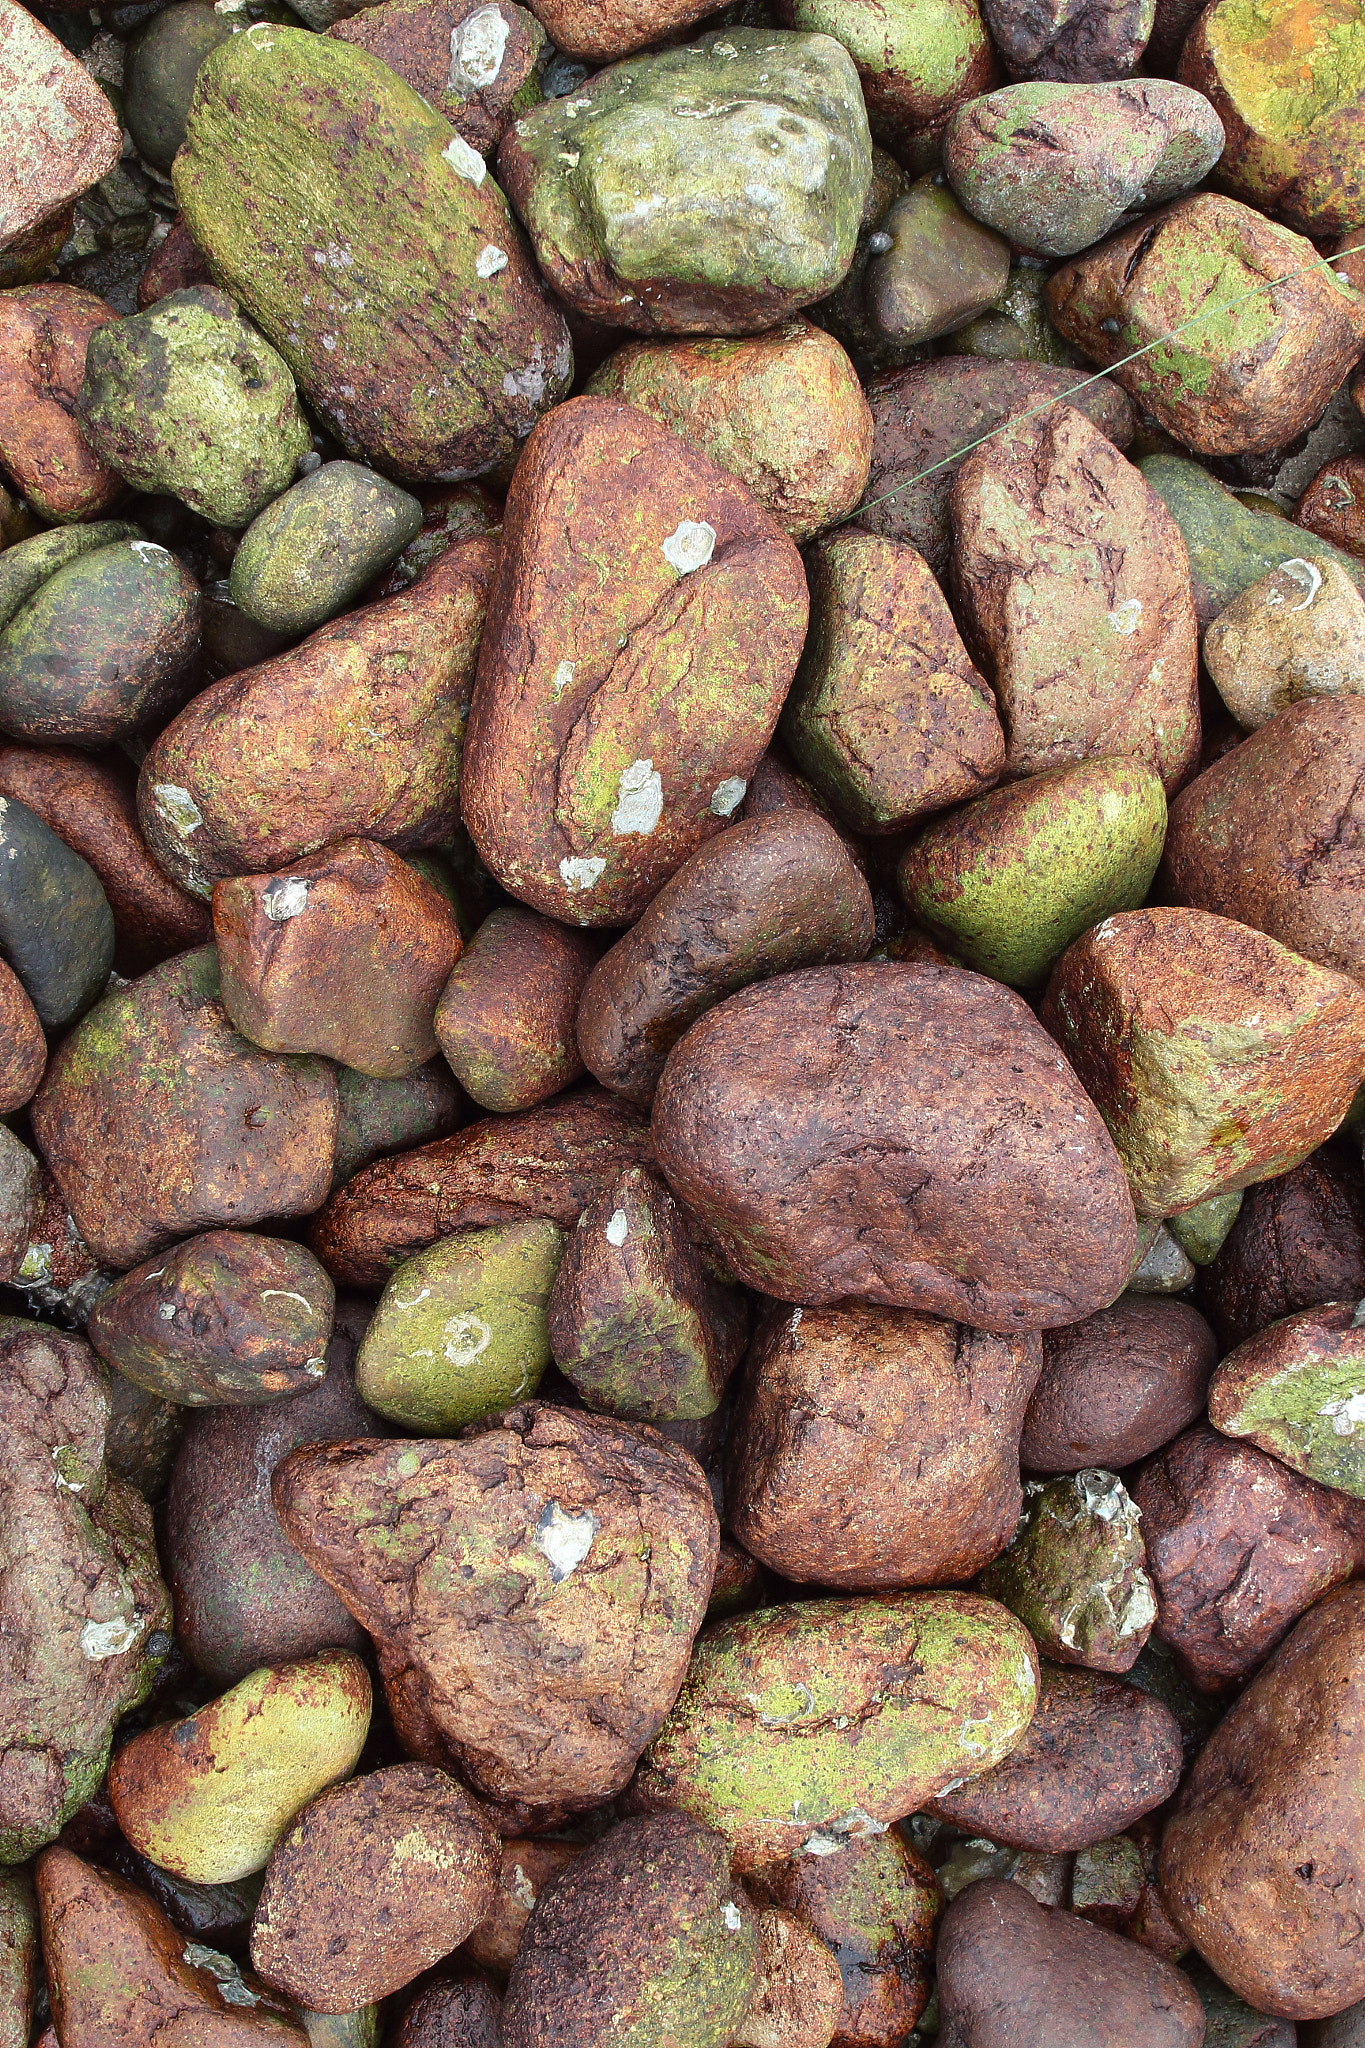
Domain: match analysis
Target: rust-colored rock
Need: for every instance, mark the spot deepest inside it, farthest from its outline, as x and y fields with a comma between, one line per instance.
x=23, y=1047
x=1333, y=506
x=876, y=1903
x=475, y=64
x=1117, y=1386
x=800, y=1993
x=525, y=1868
x=1297, y=1241
x=176, y=264
x=62, y=133
x=586, y=28
x=43, y=332
x=505, y=1021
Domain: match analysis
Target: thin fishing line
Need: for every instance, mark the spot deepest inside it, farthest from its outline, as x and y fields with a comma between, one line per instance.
x=1060, y=397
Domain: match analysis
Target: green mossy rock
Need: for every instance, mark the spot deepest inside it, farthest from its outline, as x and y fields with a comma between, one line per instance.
x=461, y=1329
x=1200, y=1231
x=1297, y=1390
x=1075, y=1573
x=308, y=555
x=359, y=2029
x=1008, y=881
x=188, y=399
x=1164, y=1266
x=367, y=241
x=26, y=566
x=917, y=59
x=709, y=189
x=1231, y=544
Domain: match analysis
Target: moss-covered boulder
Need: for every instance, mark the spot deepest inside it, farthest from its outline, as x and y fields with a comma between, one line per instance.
x=309, y=555
x=1076, y=1574
x=1231, y=544
x=1297, y=1390
x=917, y=59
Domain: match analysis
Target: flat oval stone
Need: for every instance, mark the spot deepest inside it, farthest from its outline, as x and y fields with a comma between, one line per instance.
x=310, y=553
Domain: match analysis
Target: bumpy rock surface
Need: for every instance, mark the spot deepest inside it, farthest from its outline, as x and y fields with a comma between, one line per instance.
x=915, y=63
x=1298, y=1391
x=1075, y=1571
x=1297, y=1241
x=1299, y=632
x=23, y=1047
x=310, y=553
x=877, y=1905
x=602, y=33
x=505, y=1021
x=63, y=133
x=1117, y=1386
x=44, y=331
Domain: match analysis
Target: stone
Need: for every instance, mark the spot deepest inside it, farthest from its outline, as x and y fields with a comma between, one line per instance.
x=710, y=258
x=525, y=1867
x=1238, y=1547
x=1297, y=1390
x=800, y=1118
x=390, y=277
x=1200, y=1231
x=1075, y=1571
x=877, y=1905
x=219, y=1320
x=800, y=1994
x=23, y=1047
x=311, y=551
x=1049, y=521
x=1333, y=506
x=187, y=398
x=56, y=931
x=452, y=2012
x=20, y=1196
x=873, y=1447
x=44, y=332
x=18, y=1958
x=460, y=1331
x=209, y=1796
x=480, y=66
x=888, y=716
x=375, y=1881
x=1257, y=1861
x=58, y=1275
x=273, y=763
x=916, y=64
x=1083, y=41
x=685, y=647
x=1256, y=366
x=1164, y=1267
x=586, y=28
x=1298, y=632
x=378, y=1117
x=1298, y=1240
x=784, y=412
x=1009, y=881
x=161, y=63
x=63, y=135
x=505, y=1020
x=1118, y=1386
x=156, y=1119
x=1230, y=2022
x=941, y=269
x=86, y=1616
x=1290, y=89
x=1056, y=167
x=176, y=264
x=540, y=1683
x=1018, y=328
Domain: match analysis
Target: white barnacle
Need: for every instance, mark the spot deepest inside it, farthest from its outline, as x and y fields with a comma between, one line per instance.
x=1125, y=617
x=564, y=1540
x=732, y=1916
x=287, y=1294
x=477, y=47
x=490, y=260
x=464, y=160
x=260, y=37
x=639, y=799
x=285, y=899
x=101, y=1639
x=690, y=545
x=580, y=871
x=1305, y=576
x=616, y=1227
x=177, y=807
x=467, y=1337
x=316, y=1368
x=727, y=796
x=147, y=550
x=561, y=680
x=1345, y=1413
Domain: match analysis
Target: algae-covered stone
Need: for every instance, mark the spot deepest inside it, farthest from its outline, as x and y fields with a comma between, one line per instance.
x=938, y=271
x=461, y=1329
x=375, y=1116
x=18, y=1957
x=645, y=216
x=159, y=69
x=26, y=565
x=877, y=1905
x=1200, y=1231
x=1298, y=632
x=371, y=247
x=56, y=927
x=1076, y=1571
x=1007, y=882
x=916, y=61
x=310, y=553
x=187, y=398
x=813, y=1724
x=208, y=1797
x=1297, y=1390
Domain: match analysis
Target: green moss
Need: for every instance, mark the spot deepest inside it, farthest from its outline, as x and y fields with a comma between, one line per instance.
x=1287, y=64
x=1230, y=544
x=1310, y=1414
x=1200, y=1231
x=1074, y=1572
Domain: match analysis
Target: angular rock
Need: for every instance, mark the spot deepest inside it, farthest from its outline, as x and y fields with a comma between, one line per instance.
x=44, y=331
x=505, y=1021
x=56, y=929
x=1333, y=506
x=63, y=133
x=1299, y=632
x=940, y=269
x=310, y=553
x=877, y=1905
x=1117, y=1386
x=480, y=66
x=1297, y=1390
x=1200, y=1231
x=1298, y=1240
x=1075, y=1571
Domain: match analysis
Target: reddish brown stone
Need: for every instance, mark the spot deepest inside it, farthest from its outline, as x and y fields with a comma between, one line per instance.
x=23, y=1048
x=476, y=79
x=1333, y=506
x=876, y=1903
x=1297, y=1241
x=1117, y=1386
x=177, y=264
x=454, y=2012
x=602, y=33
x=43, y=332
x=62, y=133
x=505, y=1020
x=550, y=1161
x=740, y=1584
x=525, y=1868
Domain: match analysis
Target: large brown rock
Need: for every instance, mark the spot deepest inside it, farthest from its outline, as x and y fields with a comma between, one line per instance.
x=43, y=332
x=62, y=133
x=1117, y=1386
x=1297, y=1241
x=628, y=684
x=900, y=1134
x=542, y=1681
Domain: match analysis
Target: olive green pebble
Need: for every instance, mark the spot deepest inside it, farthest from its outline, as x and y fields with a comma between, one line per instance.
x=27, y=566
x=1008, y=880
x=1231, y=544
x=1200, y=1231
x=941, y=270
x=1075, y=1571
x=159, y=71
x=460, y=1330
x=310, y=553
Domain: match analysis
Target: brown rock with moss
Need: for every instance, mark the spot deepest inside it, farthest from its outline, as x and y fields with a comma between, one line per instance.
x=357, y=730
x=525, y=1867
x=1117, y=1386
x=915, y=65
x=773, y=893
x=23, y=1047
x=800, y=1992
x=874, y=1447
x=877, y=1904
x=505, y=1020
x=627, y=687
x=1333, y=506
x=1297, y=1241
x=479, y=65
x=541, y=1683
x=1075, y=1571
x=43, y=332
x=1296, y=1390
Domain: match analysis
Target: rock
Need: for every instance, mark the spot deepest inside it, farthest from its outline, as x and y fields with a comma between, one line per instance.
x=874, y=1447
x=1299, y=632
x=1230, y=544
x=800, y=1993
x=1273, y=1794
x=1007, y=1967
x=19, y=1204
x=1215, y=1056
x=915, y=64
x=505, y=1020
x=18, y=1958
x=604, y=33
x=208, y=1797
x=1009, y=881
x=157, y=1120
x=23, y=1048
x=645, y=1933
x=550, y=1161
x=1292, y=99
x=44, y=331
x=544, y=1697
x=797, y=1118
x=525, y=1868
x=1017, y=328
x=56, y=930
x=375, y=1881
x=1285, y=800
x=942, y=267
x=161, y=63
x=1056, y=167
x=1098, y=1755
x=1117, y=1386
x=345, y=954
x=636, y=1322
x=219, y=1320
x=310, y=553
x=784, y=412
x=1297, y=1390
x=119, y=1972
x=63, y=134
x=84, y=1610
x=711, y=258
x=452, y=2012
x=1230, y=2022
x=378, y=1117
x=187, y=398
x=1333, y=506
x=273, y=763
x=1238, y=1546
x=1251, y=378
x=176, y=264
x=888, y=716
x=1163, y=1268
x=480, y=66
x=431, y=290
x=772, y=893
x=58, y=1275
x=1084, y=41
x=877, y=1904
x=89, y=802
x=1075, y=1571
x=703, y=609
x=460, y=1331
x=1299, y=1240
x=1200, y=1231
x=962, y=1695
